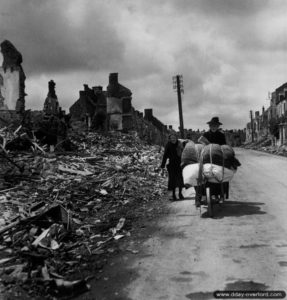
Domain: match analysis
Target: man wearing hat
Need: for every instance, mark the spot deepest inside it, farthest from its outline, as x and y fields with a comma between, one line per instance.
x=214, y=135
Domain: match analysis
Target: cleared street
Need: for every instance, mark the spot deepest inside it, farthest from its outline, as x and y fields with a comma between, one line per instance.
x=244, y=247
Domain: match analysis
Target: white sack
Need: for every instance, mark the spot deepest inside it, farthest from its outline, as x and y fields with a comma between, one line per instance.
x=215, y=173
x=190, y=174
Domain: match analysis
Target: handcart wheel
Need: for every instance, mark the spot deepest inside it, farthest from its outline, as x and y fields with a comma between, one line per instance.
x=222, y=194
x=209, y=204
x=197, y=199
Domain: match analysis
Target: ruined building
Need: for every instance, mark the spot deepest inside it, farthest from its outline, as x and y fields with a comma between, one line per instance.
x=91, y=107
x=119, y=108
x=51, y=104
x=113, y=110
x=149, y=128
x=12, y=82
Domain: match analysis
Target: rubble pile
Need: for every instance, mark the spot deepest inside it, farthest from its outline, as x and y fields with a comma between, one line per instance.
x=62, y=211
x=266, y=145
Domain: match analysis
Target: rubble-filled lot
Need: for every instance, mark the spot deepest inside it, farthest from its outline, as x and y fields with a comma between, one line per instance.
x=267, y=145
x=63, y=213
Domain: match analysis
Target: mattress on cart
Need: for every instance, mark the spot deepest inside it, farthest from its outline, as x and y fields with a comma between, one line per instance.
x=213, y=173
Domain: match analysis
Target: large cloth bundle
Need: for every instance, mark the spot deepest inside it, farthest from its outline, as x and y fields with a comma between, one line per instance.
x=214, y=162
x=190, y=174
x=220, y=155
x=212, y=173
x=191, y=153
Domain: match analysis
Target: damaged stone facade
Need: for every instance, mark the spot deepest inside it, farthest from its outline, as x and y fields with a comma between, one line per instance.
x=91, y=108
x=272, y=122
x=149, y=128
x=12, y=79
x=51, y=104
x=113, y=110
x=107, y=110
x=119, y=108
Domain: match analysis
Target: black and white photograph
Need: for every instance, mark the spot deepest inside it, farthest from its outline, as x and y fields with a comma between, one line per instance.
x=143, y=149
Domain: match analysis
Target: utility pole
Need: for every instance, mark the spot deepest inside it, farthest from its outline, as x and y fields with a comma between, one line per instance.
x=252, y=129
x=178, y=86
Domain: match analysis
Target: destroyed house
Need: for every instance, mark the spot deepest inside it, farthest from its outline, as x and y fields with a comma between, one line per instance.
x=281, y=112
x=51, y=104
x=119, y=107
x=91, y=105
x=281, y=93
x=159, y=132
x=12, y=83
x=248, y=132
x=148, y=115
x=281, y=101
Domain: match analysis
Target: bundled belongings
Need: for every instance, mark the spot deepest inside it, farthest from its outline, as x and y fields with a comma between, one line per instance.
x=213, y=173
x=216, y=163
x=191, y=154
x=190, y=159
x=220, y=155
x=190, y=175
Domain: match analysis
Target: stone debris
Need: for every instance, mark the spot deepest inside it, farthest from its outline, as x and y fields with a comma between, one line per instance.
x=63, y=212
x=267, y=145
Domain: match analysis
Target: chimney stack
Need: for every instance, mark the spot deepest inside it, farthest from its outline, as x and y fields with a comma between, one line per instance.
x=97, y=89
x=113, y=78
x=148, y=113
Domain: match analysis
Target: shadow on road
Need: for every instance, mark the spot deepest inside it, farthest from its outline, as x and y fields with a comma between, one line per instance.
x=236, y=209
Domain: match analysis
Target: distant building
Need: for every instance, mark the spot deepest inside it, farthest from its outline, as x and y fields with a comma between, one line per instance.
x=149, y=128
x=113, y=110
x=235, y=137
x=272, y=122
x=91, y=107
x=281, y=112
x=119, y=108
x=51, y=104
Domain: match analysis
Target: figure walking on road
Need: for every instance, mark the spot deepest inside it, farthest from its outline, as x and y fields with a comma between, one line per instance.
x=172, y=152
x=214, y=136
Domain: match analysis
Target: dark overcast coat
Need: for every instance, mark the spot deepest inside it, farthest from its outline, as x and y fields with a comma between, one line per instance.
x=173, y=153
x=216, y=137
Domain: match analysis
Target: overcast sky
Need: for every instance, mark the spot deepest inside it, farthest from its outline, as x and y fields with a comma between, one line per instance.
x=231, y=53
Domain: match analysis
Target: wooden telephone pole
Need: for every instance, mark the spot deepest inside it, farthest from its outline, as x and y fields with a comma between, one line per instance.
x=178, y=86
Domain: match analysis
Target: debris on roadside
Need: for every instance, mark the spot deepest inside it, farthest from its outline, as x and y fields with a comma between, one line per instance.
x=62, y=210
x=267, y=145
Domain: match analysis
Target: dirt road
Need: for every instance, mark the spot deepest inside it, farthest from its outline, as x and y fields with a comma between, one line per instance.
x=243, y=248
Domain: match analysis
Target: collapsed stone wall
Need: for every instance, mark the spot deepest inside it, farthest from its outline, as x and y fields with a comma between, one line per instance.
x=147, y=131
